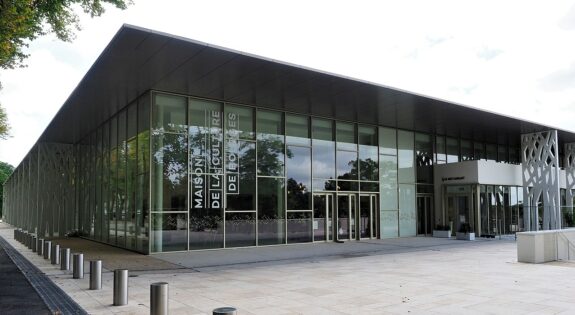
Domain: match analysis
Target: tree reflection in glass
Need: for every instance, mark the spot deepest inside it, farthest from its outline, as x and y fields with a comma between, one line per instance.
x=170, y=167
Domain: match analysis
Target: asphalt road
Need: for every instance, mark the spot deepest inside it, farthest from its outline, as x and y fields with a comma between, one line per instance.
x=17, y=296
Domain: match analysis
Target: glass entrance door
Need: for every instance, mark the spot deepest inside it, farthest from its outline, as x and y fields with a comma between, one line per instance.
x=350, y=222
x=346, y=216
x=424, y=215
x=323, y=217
x=368, y=215
x=458, y=212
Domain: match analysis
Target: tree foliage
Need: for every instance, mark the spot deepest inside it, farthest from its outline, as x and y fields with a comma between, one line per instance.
x=22, y=21
x=5, y=171
x=4, y=127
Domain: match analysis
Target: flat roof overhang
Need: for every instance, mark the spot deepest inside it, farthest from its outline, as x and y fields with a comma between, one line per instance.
x=138, y=60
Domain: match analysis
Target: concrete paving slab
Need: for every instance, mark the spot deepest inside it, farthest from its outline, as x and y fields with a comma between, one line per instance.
x=400, y=276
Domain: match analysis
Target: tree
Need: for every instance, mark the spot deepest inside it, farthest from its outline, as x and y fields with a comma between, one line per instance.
x=22, y=21
x=5, y=171
x=4, y=127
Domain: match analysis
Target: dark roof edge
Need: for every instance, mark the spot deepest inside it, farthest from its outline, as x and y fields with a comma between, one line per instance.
x=143, y=29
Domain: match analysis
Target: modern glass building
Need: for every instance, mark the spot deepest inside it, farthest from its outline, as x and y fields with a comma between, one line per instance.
x=169, y=144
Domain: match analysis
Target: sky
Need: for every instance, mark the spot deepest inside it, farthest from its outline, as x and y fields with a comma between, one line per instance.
x=511, y=57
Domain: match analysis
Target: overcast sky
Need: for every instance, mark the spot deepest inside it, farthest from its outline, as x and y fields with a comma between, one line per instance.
x=512, y=57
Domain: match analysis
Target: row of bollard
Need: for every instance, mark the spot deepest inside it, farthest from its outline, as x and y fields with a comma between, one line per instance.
x=61, y=256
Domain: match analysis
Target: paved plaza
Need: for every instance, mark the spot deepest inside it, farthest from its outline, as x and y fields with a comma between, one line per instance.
x=400, y=276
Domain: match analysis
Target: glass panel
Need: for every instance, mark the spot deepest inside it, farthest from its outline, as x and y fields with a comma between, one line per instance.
x=367, y=135
x=466, y=151
x=407, y=211
x=345, y=214
x=322, y=214
x=322, y=129
x=299, y=227
x=324, y=185
x=297, y=130
x=347, y=165
x=323, y=159
x=369, y=186
x=170, y=175
x=491, y=152
x=388, y=184
x=492, y=202
x=366, y=216
x=389, y=224
x=514, y=156
x=105, y=182
x=142, y=212
x=345, y=136
x=368, y=164
x=424, y=158
x=169, y=232
x=484, y=206
x=346, y=185
x=113, y=197
x=206, y=228
x=241, y=119
x=270, y=144
x=271, y=212
x=502, y=153
x=240, y=229
x=206, y=192
x=452, y=147
x=405, y=156
x=121, y=181
x=478, y=152
x=170, y=113
x=298, y=178
x=387, y=141
x=440, y=149
x=143, y=192
x=242, y=195
x=201, y=115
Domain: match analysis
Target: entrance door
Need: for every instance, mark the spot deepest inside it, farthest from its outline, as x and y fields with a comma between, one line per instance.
x=346, y=223
x=458, y=212
x=424, y=215
x=323, y=217
x=368, y=215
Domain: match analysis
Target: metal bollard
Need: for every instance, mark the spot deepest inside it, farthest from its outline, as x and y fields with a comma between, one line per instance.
x=15, y=234
x=120, y=287
x=26, y=237
x=224, y=311
x=78, y=266
x=47, y=249
x=40, y=247
x=29, y=241
x=95, y=274
x=55, y=255
x=64, y=259
x=34, y=244
x=159, y=298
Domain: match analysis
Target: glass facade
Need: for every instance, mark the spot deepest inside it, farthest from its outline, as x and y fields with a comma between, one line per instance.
x=173, y=173
x=114, y=178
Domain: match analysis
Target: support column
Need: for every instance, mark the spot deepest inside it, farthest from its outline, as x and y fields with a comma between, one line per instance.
x=540, y=172
x=570, y=178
